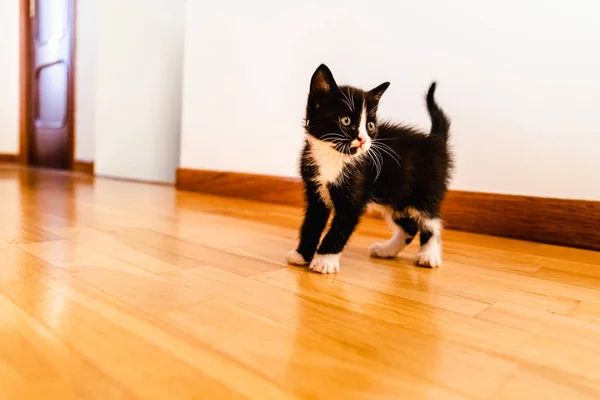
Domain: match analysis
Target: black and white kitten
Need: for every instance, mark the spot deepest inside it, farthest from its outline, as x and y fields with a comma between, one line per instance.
x=350, y=161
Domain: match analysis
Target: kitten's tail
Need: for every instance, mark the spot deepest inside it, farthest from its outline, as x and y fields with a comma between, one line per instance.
x=440, y=124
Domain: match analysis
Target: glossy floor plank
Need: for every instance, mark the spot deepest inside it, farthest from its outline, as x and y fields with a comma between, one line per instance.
x=122, y=290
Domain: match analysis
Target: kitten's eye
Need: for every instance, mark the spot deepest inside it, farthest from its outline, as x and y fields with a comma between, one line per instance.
x=346, y=121
x=370, y=126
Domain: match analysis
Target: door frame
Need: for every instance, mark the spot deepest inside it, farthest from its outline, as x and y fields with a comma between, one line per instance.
x=25, y=84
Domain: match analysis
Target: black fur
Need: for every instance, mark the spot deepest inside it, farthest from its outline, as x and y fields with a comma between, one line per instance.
x=410, y=226
x=425, y=236
x=403, y=168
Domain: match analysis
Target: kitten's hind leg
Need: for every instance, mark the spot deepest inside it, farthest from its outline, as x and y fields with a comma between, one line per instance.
x=403, y=229
x=430, y=254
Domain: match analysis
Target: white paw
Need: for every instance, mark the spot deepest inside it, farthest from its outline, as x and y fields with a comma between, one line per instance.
x=295, y=258
x=326, y=263
x=430, y=256
x=383, y=250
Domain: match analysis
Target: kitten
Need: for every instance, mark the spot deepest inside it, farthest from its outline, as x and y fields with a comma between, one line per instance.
x=351, y=160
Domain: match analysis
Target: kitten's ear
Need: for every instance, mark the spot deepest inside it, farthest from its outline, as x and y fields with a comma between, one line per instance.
x=379, y=90
x=322, y=81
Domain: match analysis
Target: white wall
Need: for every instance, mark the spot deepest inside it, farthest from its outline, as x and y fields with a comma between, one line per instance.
x=519, y=79
x=85, y=80
x=139, y=54
x=9, y=76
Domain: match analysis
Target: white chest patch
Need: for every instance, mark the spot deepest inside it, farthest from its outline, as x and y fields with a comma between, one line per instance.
x=330, y=165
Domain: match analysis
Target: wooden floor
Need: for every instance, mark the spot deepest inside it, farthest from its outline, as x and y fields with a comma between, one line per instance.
x=119, y=290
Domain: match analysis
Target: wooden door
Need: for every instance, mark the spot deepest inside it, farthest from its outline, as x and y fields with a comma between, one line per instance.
x=52, y=85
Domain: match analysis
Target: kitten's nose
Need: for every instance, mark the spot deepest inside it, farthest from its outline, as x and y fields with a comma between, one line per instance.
x=362, y=140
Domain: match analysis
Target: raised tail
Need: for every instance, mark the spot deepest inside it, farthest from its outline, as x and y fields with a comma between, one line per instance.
x=440, y=124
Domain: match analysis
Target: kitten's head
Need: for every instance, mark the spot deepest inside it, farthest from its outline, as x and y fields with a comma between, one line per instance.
x=341, y=117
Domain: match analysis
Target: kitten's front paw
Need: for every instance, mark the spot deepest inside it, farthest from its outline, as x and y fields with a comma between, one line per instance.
x=382, y=250
x=295, y=258
x=326, y=263
x=430, y=257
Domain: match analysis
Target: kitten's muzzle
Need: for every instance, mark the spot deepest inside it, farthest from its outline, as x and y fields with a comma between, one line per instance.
x=357, y=143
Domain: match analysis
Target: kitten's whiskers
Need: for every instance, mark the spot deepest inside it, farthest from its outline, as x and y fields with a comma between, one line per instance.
x=377, y=162
x=382, y=147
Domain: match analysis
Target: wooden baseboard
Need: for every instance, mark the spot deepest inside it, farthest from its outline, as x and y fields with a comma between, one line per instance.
x=271, y=189
x=85, y=167
x=574, y=223
x=8, y=158
x=566, y=222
